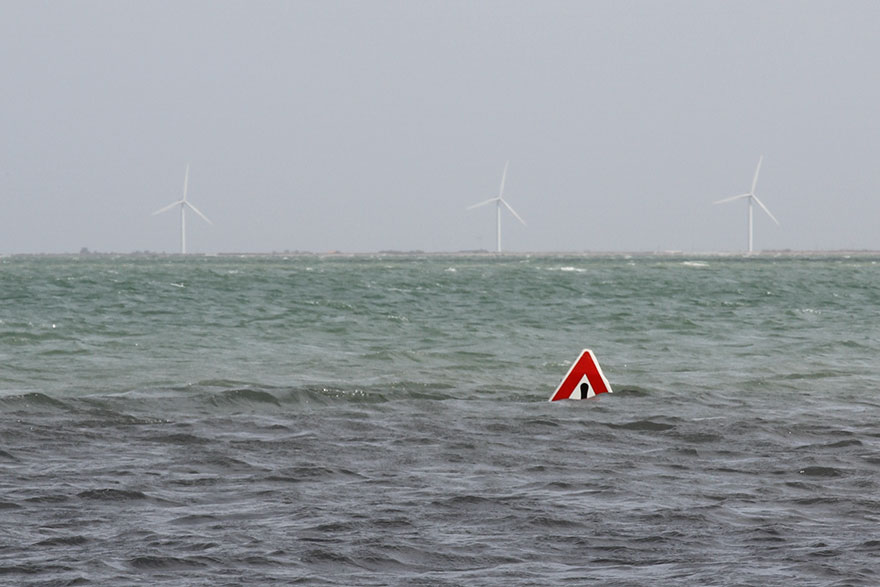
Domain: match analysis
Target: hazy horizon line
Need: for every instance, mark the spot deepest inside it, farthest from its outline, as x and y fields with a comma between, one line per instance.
x=460, y=253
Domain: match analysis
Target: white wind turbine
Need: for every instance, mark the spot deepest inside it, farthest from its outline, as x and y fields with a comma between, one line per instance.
x=751, y=198
x=184, y=204
x=498, y=202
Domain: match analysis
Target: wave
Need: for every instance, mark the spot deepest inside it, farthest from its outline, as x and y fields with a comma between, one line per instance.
x=644, y=426
x=170, y=563
x=243, y=397
x=816, y=471
x=31, y=400
x=110, y=494
x=76, y=540
x=155, y=405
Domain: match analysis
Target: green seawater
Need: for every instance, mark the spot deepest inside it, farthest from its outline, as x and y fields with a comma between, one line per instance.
x=465, y=327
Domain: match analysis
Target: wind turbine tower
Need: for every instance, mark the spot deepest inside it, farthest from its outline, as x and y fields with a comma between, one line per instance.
x=752, y=199
x=184, y=204
x=499, y=201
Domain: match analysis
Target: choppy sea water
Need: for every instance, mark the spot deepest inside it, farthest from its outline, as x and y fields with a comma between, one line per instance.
x=384, y=421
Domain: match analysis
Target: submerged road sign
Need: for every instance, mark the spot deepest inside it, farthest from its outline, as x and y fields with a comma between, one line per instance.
x=585, y=379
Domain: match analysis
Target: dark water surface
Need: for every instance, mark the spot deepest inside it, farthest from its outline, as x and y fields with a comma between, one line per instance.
x=383, y=421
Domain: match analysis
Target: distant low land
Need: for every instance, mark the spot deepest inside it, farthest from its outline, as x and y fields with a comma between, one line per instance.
x=85, y=253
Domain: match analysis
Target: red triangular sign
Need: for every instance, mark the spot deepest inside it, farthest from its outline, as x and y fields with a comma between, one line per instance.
x=584, y=380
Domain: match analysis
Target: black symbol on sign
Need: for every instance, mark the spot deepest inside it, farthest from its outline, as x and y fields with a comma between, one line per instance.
x=585, y=388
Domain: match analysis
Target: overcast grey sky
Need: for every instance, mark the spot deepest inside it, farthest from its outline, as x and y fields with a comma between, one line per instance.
x=363, y=126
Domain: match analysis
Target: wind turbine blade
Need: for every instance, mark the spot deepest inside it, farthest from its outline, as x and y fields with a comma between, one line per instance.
x=757, y=169
x=196, y=210
x=764, y=208
x=732, y=198
x=512, y=211
x=489, y=201
x=503, y=178
x=168, y=207
x=185, y=182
